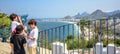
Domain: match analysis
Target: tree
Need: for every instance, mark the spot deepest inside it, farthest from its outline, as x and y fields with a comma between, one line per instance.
x=4, y=20
x=84, y=23
x=101, y=29
x=4, y=26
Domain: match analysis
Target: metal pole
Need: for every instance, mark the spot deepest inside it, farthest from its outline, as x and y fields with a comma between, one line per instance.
x=89, y=37
x=64, y=37
x=94, y=51
x=107, y=33
x=114, y=34
x=73, y=38
x=78, y=37
x=100, y=36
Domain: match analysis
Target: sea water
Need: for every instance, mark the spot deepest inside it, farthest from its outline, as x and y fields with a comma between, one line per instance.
x=57, y=30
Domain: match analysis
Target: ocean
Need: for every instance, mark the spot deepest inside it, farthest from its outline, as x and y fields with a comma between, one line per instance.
x=57, y=30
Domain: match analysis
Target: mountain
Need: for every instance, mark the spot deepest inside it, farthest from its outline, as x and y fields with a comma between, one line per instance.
x=98, y=14
x=113, y=12
x=78, y=16
x=84, y=14
x=116, y=15
x=68, y=17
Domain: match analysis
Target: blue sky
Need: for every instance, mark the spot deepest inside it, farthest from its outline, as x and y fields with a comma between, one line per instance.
x=56, y=8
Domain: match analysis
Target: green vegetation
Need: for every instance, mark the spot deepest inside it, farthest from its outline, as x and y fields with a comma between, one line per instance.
x=75, y=43
x=4, y=25
x=4, y=20
x=117, y=41
x=80, y=43
x=5, y=32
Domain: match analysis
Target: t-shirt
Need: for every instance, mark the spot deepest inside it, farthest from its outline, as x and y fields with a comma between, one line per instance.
x=33, y=33
x=18, y=41
x=14, y=24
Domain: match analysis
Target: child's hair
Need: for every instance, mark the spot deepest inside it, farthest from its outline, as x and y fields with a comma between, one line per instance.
x=13, y=16
x=32, y=22
x=19, y=29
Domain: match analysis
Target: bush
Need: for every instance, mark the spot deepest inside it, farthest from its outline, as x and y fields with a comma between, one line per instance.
x=4, y=20
x=5, y=32
x=79, y=43
x=107, y=41
x=91, y=42
x=4, y=25
x=76, y=43
x=117, y=42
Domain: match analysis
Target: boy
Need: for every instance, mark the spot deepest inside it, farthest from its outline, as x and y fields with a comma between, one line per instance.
x=32, y=38
x=18, y=41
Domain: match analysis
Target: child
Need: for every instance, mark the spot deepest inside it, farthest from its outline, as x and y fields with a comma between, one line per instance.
x=18, y=41
x=15, y=18
x=32, y=38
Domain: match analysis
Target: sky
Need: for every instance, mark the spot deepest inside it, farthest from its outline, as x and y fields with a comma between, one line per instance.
x=56, y=8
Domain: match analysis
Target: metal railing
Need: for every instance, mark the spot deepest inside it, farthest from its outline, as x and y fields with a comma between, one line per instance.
x=81, y=37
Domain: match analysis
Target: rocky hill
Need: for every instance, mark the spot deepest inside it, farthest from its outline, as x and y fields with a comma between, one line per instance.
x=98, y=14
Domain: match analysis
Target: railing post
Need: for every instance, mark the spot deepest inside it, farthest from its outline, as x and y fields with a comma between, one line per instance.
x=83, y=38
x=89, y=37
x=59, y=46
x=38, y=42
x=114, y=20
x=42, y=41
x=68, y=35
x=107, y=33
x=98, y=48
x=56, y=39
x=45, y=40
x=78, y=37
x=94, y=51
x=59, y=36
x=48, y=41
x=73, y=38
x=52, y=39
x=112, y=49
x=101, y=37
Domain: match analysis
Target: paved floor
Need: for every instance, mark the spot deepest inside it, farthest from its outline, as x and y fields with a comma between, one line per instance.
x=6, y=49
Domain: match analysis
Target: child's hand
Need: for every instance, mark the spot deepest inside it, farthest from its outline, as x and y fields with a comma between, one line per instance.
x=19, y=18
x=31, y=38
